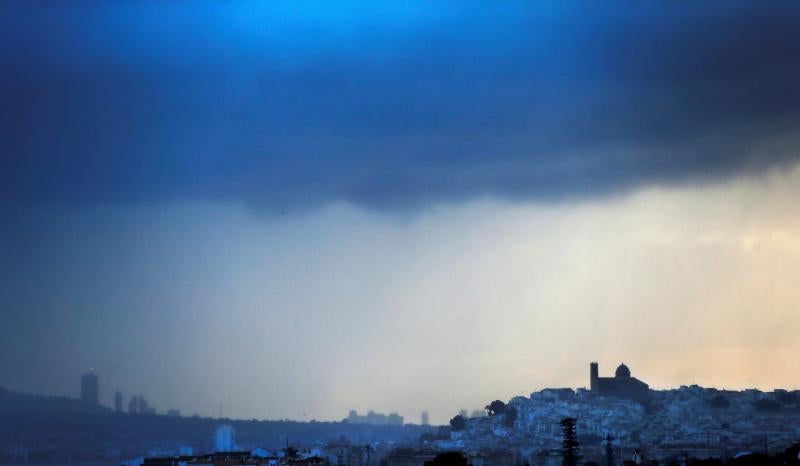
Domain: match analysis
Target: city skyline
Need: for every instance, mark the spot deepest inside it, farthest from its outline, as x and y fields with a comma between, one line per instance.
x=603, y=386
x=294, y=209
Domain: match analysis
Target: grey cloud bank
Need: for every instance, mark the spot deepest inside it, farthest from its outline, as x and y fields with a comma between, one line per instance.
x=293, y=105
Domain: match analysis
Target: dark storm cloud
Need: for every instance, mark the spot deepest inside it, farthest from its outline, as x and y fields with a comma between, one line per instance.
x=296, y=104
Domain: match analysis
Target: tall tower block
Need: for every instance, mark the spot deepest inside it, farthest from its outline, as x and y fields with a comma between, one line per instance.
x=593, y=376
x=90, y=388
x=118, y=401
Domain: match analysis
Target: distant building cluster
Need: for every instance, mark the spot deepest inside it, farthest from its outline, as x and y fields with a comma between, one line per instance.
x=138, y=405
x=90, y=395
x=375, y=419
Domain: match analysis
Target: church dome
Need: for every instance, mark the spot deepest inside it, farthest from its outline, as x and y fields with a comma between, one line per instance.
x=623, y=371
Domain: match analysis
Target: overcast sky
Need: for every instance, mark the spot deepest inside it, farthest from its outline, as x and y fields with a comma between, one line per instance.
x=292, y=209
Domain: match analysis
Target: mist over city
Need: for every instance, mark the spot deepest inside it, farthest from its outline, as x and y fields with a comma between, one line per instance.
x=307, y=233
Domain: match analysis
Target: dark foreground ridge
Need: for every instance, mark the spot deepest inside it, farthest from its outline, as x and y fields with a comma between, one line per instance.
x=399, y=457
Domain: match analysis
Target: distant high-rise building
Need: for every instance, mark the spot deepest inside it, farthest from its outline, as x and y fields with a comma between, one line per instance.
x=138, y=405
x=144, y=406
x=90, y=388
x=118, y=401
x=223, y=438
x=424, y=419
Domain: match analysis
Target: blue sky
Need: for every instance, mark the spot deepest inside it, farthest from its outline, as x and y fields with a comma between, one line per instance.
x=174, y=174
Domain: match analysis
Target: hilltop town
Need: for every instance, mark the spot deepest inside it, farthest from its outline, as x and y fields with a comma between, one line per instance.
x=624, y=414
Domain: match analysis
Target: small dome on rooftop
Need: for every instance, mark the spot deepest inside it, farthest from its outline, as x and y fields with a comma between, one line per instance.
x=623, y=371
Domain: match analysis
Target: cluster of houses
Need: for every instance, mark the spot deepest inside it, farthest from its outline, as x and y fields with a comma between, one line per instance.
x=616, y=414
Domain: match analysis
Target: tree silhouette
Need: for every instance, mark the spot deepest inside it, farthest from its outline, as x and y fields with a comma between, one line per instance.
x=458, y=423
x=570, y=447
x=609, y=451
x=495, y=407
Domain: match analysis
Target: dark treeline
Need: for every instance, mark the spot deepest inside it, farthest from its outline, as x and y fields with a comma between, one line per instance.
x=789, y=457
